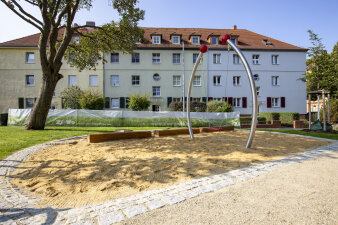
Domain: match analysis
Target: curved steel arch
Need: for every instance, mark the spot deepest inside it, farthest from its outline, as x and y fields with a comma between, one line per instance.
x=252, y=87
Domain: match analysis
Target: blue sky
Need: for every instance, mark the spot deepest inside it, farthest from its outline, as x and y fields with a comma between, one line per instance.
x=285, y=20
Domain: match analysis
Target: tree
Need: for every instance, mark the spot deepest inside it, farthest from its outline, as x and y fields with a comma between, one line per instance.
x=139, y=102
x=56, y=35
x=321, y=67
x=218, y=106
x=91, y=100
x=71, y=97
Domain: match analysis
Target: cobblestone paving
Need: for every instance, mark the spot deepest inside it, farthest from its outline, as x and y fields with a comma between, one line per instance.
x=18, y=208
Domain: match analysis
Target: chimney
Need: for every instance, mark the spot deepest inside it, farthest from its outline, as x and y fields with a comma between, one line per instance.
x=234, y=27
x=90, y=23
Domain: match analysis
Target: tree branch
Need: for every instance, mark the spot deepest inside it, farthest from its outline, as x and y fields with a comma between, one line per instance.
x=25, y=13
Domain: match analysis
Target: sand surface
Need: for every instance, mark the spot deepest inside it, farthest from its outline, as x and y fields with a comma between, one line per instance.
x=303, y=193
x=79, y=173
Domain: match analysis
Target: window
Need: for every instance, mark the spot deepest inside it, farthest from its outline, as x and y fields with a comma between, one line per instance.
x=30, y=57
x=195, y=40
x=257, y=91
x=115, y=57
x=176, y=80
x=72, y=80
x=195, y=99
x=274, y=102
x=275, y=80
x=76, y=39
x=217, y=58
x=156, y=39
x=256, y=77
x=196, y=81
x=135, y=58
x=115, y=80
x=235, y=59
x=156, y=77
x=115, y=103
x=236, y=80
x=29, y=80
x=255, y=59
x=194, y=57
x=52, y=106
x=214, y=41
x=93, y=80
x=156, y=58
x=217, y=80
x=274, y=59
x=176, y=58
x=176, y=99
x=156, y=91
x=71, y=58
x=237, y=102
x=176, y=40
x=156, y=108
x=54, y=94
x=217, y=99
x=135, y=80
x=29, y=103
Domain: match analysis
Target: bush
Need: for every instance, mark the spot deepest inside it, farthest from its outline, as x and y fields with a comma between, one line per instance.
x=194, y=106
x=333, y=110
x=248, y=119
x=91, y=100
x=295, y=116
x=218, y=106
x=139, y=102
x=71, y=97
x=286, y=118
x=275, y=116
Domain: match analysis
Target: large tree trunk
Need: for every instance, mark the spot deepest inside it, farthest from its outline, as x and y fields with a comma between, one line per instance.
x=38, y=115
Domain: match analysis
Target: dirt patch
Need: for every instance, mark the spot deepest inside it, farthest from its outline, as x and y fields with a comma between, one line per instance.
x=84, y=173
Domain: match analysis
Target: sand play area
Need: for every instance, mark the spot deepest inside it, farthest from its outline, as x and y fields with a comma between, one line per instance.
x=78, y=173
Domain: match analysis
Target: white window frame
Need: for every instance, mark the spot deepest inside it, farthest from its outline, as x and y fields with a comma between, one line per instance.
x=217, y=99
x=52, y=106
x=115, y=106
x=30, y=59
x=156, y=58
x=176, y=58
x=156, y=91
x=214, y=40
x=196, y=99
x=274, y=80
x=195, y=57
x=197, y=81
x=256, y=78
x=195, y=40
x=176, y=42
x=93, y=80
x=258, y=89
x=275, y=102
x=157, y=108
x=176, y=80
x=235, y=59
x=216, y=58
x=135, y=59
x=116, y=60
x=236, y=80
x=26, y=103
x=115, y=80
x=27, y=80
x=237, y=102
x=274, y=60
x=69, y=80
x=156, y=39
x=217, y=80
x=135, y=80
x=255, y=59
x=156, y=77
x=176, y=99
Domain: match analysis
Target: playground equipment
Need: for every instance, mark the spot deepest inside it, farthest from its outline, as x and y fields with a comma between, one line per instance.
x=203, y=49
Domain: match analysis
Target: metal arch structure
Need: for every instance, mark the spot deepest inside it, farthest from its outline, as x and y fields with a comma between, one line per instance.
x=252, y=88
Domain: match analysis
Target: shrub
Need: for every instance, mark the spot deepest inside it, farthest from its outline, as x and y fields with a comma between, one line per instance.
x=91, y=100
x=218, y=106
x=286, y=118
x=248, y=119
x=333, y=110
x=275, y=116
x=71, y=97
x=139, y=102
x=194, y=106
x=295, y=116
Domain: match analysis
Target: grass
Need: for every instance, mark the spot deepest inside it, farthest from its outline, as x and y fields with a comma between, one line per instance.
x=299, y=132
x=16, y=138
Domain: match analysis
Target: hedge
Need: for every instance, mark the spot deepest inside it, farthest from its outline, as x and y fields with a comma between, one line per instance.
x=286, y=118
x=248, y=119
x=194, y=106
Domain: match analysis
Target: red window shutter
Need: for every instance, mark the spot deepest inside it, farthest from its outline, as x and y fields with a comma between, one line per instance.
x=230, y=100
x=210, y=99
x=268, y=102
x=225, y=99
x=244, y=102
x=282, y=102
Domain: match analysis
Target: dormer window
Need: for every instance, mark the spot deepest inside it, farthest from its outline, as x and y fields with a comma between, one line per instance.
x=214, y=40
x=195, y=40
x=176, y=40
x=156, y=39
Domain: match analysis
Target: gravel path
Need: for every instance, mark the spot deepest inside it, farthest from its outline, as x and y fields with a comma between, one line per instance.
x=303, y=193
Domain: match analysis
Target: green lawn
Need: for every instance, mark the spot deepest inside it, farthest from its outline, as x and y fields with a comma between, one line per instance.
x=313, y=134
x=16, y=138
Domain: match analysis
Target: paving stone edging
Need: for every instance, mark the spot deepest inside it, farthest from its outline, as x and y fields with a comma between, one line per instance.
x=19, y=207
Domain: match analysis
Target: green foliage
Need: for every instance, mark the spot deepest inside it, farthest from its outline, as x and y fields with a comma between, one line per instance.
x=248, y=119
x=194, y=106
x=71, y=97
x=333, y=110
x=299, y=132
x=286, y=118
x=139, y=102
x=295, y=116
x=275, y=116
x=218, y=106
x=91, y=100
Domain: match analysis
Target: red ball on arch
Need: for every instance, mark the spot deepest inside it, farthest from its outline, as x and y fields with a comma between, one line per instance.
x=225, y=37
x=203, y=48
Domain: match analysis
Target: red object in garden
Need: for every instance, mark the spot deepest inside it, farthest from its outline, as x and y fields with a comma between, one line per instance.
x=225, y=37
x=203, y=48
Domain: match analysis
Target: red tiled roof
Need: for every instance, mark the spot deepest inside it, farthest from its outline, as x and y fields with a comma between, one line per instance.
x=246, y=39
